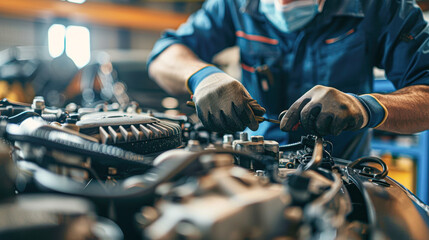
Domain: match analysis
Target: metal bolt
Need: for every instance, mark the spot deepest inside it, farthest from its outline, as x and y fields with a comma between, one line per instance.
x=244, y=136
x=38, y=103
x=228, y=138
x=260, y=173
x=257, y=138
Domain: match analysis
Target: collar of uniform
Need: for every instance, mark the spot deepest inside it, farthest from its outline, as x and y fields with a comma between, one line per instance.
x=332, y=7
x=351, y=8
x=251, y=7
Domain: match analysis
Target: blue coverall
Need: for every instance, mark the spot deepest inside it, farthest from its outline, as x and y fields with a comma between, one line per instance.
x=338, y=48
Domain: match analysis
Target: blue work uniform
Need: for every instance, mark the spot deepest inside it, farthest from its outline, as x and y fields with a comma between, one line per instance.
x=338, y=48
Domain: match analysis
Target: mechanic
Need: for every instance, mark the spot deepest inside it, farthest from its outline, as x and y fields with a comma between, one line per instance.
x=313, y=57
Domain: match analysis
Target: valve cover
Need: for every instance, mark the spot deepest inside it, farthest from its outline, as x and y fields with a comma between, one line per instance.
x=138, y=133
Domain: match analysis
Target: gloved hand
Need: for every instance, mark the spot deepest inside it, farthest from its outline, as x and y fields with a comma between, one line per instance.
x=224, y=105
x=325, y=111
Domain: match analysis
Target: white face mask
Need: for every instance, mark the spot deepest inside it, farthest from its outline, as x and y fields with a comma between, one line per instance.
x=291, y=16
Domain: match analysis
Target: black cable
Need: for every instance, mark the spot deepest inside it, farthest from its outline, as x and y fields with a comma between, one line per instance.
x=317, y=155
x=165, y=172
x=377, y=160
x=6, y=103
x=20, y=117
x=291, y=147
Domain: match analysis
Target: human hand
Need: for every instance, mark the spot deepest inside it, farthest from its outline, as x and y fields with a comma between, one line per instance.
x=325, y=111
x=224, y=105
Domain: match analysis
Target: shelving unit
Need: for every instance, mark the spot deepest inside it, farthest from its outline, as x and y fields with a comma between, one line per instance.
x=420, y=151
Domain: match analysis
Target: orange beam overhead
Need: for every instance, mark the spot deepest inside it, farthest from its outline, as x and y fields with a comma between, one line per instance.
x=107, y=14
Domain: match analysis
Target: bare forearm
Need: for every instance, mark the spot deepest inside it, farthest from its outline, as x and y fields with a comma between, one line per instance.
x=408, y=109
x=173, y=67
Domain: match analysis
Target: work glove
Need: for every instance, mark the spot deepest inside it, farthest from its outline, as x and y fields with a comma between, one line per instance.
x=222, y=102
x=328, y=111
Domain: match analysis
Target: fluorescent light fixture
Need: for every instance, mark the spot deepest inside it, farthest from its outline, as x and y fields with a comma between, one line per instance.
x=56, y=34
x=78, y=45
x=76, y=1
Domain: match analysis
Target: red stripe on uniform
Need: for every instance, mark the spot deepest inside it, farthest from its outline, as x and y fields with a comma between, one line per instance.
x=332, y=40
x=257, y=38
x=247, y=68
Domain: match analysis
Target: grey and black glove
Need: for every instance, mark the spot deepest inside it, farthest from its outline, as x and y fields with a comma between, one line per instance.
x=222, y=102
x=328, y=111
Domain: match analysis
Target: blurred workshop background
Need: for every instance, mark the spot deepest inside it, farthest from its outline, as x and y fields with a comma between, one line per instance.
x=92, y=51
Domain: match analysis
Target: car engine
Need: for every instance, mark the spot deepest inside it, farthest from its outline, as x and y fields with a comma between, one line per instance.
x=115, y=172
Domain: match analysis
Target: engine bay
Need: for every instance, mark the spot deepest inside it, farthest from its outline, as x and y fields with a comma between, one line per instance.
x=115, y=172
